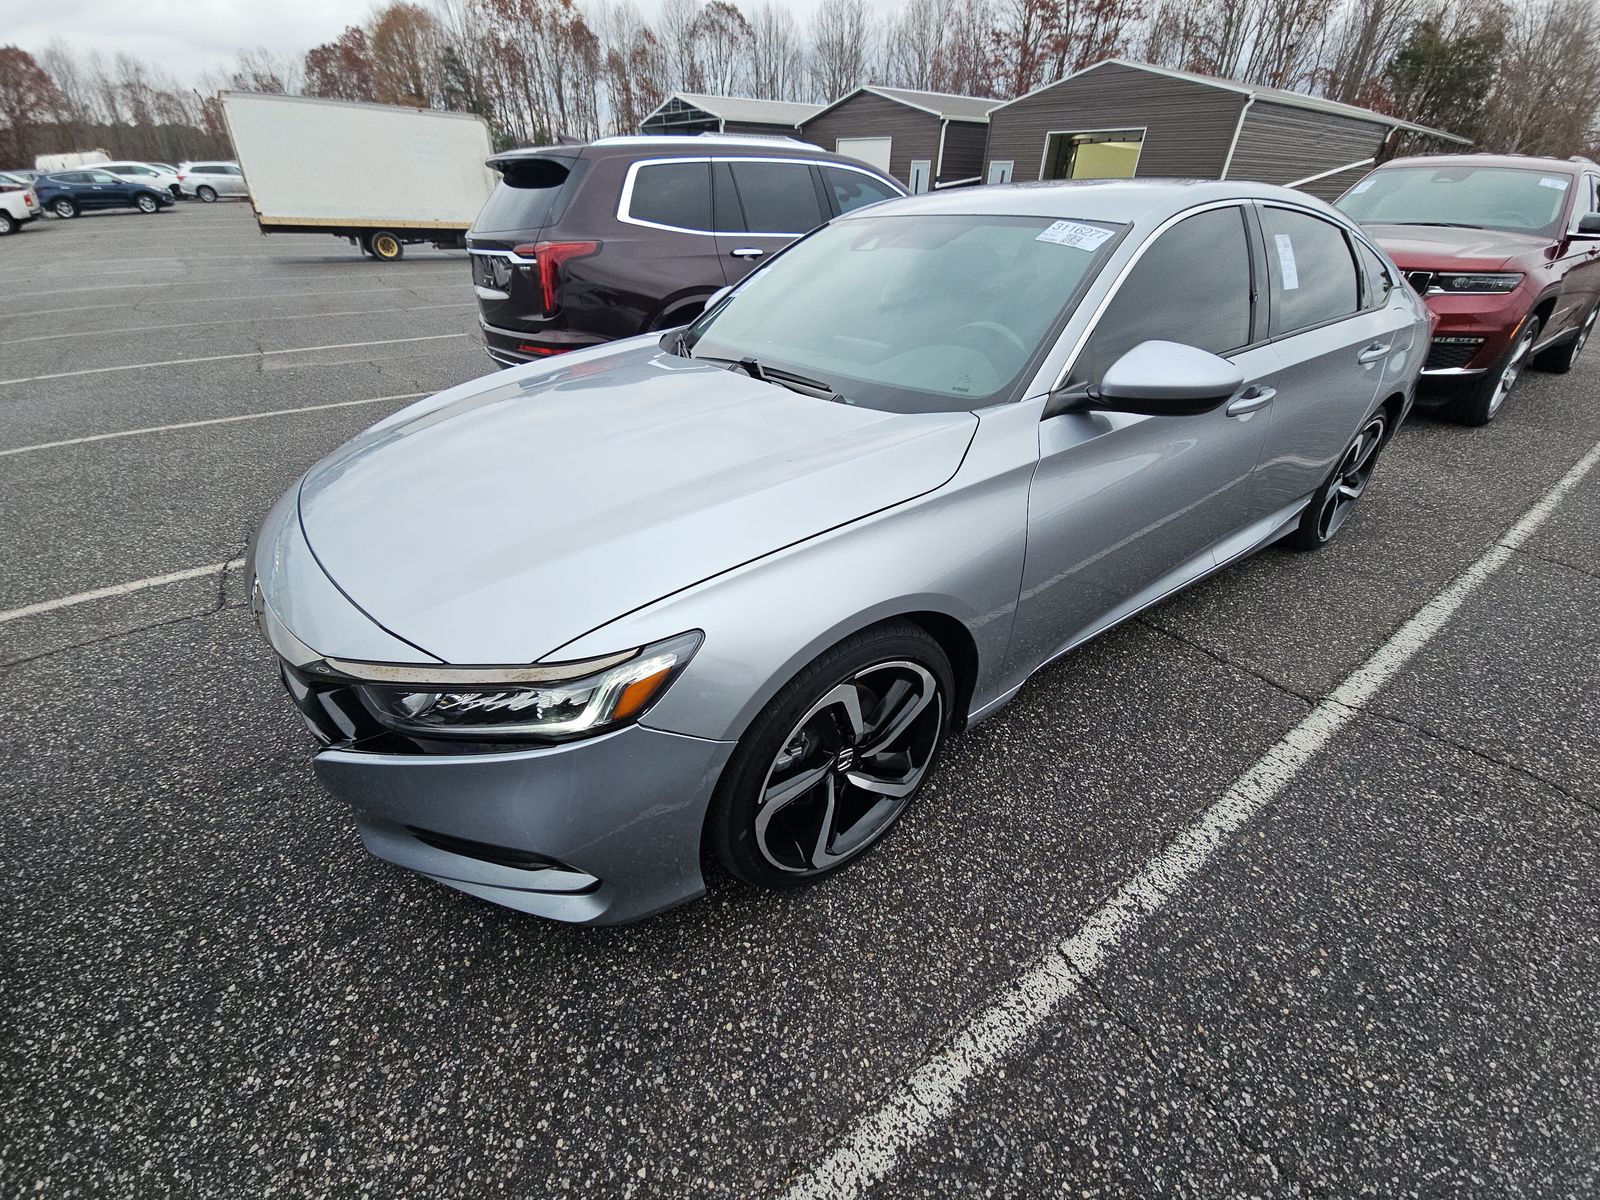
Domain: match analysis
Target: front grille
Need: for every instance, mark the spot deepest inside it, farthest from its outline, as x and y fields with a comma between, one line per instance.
x=1420, y=281
x=1445, y=356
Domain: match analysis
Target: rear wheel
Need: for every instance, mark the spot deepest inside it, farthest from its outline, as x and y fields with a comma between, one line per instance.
x=834, y=759
x=1558, y=360
x=148, y=204
x=208, y=194
x=1336, y=499
x=384, y=246
x=64, y=208
x=8, y=224
x=1488, y=395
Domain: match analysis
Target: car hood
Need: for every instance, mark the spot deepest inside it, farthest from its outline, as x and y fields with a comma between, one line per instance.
x=1444, y=248
x=499, y=526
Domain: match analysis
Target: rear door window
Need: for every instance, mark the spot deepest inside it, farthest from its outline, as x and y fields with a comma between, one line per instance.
x=676, y=194
x=852, y=189
x=526, y=198
x=778, y=197
x=1310, y=273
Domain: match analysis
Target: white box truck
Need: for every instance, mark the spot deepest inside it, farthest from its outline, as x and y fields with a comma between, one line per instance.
x=380, y=175
x=49, y=163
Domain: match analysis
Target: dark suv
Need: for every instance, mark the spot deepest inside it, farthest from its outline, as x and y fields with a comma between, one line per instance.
x=583, y=244
x=1507, y=251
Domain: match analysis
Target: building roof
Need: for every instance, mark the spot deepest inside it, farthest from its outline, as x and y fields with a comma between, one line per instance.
x=1257, y=92
x=744, y=109
x=944, y=105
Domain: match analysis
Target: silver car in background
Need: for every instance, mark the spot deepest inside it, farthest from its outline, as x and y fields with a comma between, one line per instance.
x=208, y=180
x=565, y=629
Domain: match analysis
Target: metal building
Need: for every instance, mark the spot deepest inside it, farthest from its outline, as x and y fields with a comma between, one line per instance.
x=689, y=112
x=918, y=137
x=1118, y=119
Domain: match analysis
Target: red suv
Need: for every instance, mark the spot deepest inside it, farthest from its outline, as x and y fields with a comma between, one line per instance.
x=1506, y=249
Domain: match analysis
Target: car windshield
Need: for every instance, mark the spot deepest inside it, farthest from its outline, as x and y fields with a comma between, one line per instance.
x=913, y=313
x=1516, y=199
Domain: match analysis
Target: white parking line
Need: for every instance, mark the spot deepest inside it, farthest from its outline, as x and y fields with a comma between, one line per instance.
x=393, y=291
x=119, y=589
x=910, y=1114
x=286, y=277
x=179, y=362
x=354, y=312
x=255, y=416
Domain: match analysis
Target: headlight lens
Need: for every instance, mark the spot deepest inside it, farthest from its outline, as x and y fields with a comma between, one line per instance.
x=1499, y=282
x=550, y=710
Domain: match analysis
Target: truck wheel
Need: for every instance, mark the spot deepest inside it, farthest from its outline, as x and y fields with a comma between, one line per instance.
x=148, y=204
x=7, y=225
x=384, y=246
x=64, y=208
x=208, y=194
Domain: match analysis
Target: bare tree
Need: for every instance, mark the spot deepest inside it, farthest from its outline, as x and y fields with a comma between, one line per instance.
x=777, y=54
x=842, y=42
x=680, y=31
x=726, y=42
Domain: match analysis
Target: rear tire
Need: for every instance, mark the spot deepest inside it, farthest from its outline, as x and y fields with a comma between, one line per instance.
x=64, y=208
x=1335, y=500
x=147, y=205
x=1488, y=395
x=207, y=194
x=7, y=224
x=384, y=246
x=1558, y=360
x=851, y=767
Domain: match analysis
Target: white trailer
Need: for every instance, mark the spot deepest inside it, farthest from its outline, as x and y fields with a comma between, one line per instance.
x=380, y=175
x=49, y=163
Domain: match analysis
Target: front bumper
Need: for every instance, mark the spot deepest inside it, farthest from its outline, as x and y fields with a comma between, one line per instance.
x=1472, y=331
x=599, y=831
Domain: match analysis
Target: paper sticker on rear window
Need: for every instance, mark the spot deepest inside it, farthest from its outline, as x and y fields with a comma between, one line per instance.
x=1286, y=267
x=1554, y=181
x=1075, y=234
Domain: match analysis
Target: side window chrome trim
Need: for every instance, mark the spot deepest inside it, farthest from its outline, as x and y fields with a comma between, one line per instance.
x=1127, y=269
x=625, y=201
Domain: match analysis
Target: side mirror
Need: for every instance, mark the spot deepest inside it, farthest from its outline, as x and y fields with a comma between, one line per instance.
x=1167, y=379
x=1588, y=226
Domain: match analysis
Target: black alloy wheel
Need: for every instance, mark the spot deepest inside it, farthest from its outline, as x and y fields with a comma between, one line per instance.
x=1331, y=507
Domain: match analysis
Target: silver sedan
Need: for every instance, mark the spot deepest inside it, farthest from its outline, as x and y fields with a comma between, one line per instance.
x=566, y=629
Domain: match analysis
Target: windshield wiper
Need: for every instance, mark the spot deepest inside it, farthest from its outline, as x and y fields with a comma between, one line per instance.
x=1436, y=224
x=765, y=374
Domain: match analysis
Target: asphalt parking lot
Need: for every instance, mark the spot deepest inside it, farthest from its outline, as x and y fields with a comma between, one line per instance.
x=1381, y=978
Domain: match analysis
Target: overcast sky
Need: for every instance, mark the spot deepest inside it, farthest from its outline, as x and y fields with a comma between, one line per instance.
x=188, y=37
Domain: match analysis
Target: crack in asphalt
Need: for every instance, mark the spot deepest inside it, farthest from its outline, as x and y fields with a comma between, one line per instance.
x=1223, y=659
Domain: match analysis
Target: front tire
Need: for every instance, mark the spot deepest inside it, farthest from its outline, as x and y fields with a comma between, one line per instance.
x=1336, y=499
x=1488, y=395
x=384, y=246
x=207, y=194
x=64, y=208
x=834, y=759
x=8, y=224
x=147, y=205
x=1558, y=360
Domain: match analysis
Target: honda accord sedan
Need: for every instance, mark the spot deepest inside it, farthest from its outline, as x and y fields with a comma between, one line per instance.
x=567, y=633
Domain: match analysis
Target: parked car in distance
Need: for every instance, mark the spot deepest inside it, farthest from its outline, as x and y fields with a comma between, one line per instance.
x=730, y=586
x=18, y=203
x=155, y=175
x=68, y=193
x=208, y=180
x=578, y=245
x=1506, y=249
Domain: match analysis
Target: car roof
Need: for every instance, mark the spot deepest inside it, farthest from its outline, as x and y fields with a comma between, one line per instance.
x=711, y=145
x=1526, y=162
x=1112, y=200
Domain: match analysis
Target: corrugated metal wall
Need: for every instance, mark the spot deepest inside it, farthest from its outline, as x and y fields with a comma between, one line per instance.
x=964, y=142
x=760, y=128
x=1188, y=126
x=915, y=133
x=1280, y=144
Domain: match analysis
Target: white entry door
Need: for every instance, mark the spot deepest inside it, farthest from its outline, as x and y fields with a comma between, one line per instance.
x=873, y=151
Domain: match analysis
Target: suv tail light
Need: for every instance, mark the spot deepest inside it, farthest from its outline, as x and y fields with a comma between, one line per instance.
x=548, y=257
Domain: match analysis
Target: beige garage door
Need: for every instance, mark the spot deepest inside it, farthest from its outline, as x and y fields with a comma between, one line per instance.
x=869, y=150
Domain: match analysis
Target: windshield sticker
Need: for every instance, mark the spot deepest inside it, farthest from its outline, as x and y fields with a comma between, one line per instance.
x=1286, y=267
x=1075, y=234
x=1362, y=186
x=1551, y=181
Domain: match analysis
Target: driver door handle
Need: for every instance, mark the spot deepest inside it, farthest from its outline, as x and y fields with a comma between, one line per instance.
x=747, y=252
x=1374, y=353
x=1249, y=400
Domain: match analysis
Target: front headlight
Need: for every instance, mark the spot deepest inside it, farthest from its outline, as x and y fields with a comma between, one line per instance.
x=489, y=704
x=1497, y=282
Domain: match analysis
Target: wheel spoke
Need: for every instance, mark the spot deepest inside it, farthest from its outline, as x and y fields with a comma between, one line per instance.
x=878, y=784
x=819, y=853
x=780, y=794
x=886, y=735
x=847, y=697
x=1349, y=491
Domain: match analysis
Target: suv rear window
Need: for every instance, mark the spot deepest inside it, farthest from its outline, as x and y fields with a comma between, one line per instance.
x=524, y=200
x=675, y=194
